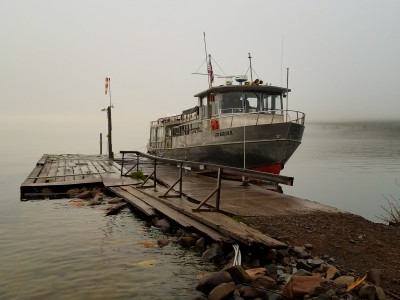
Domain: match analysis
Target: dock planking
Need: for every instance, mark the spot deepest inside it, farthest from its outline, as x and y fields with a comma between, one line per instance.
x=69, y=170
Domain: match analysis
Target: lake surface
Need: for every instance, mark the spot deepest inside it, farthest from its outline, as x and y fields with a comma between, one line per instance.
x=55, y=250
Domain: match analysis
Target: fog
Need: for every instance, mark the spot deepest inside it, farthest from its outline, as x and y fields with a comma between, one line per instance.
x=342, y=57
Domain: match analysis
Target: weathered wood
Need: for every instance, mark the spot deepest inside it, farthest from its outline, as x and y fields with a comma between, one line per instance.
x=136, y=202
x=178, y=217
x=222, y=223
x=116, y=209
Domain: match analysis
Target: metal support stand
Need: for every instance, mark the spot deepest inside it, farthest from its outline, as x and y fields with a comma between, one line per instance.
x=172, y=186
x=217, y=191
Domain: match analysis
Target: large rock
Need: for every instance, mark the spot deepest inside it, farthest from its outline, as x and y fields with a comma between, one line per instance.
x=201, y=243
x=251, y=292
x=84, y=195
x=264, y=282
x=374, y=276
x=208, y=283
x=186, y=241
x=270, y=255
x=332, y=272
x=257, y=271
x=221, y=291
x=299, y=286
x=238, y=274
x=213, y=255
x=344, y=280
x=372, y=292
x=163, y=224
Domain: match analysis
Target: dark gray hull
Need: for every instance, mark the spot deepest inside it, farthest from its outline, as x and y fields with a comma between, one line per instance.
x=263, y=147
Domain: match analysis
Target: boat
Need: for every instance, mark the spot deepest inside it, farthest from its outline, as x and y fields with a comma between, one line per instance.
x=242, y=125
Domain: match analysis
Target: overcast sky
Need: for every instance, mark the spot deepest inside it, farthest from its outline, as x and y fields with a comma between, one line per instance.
x=342, y=55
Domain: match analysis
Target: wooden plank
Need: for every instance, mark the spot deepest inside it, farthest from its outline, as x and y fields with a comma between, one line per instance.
x=92, y=169
x=69, y=173
x=42, y=160
x=45, y=171
x=220, y=222
x=60, y=175
x=53, y=171
x=35, y=172
x=178, y=217
x=77, y=170
x=136, y=202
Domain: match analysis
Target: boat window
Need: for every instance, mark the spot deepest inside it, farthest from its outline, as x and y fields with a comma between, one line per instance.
x=160, y=134
x=252, y=102
x=271, y=102
x=231, y=103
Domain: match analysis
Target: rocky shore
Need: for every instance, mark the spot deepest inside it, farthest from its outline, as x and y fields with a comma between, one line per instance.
x=330, y=256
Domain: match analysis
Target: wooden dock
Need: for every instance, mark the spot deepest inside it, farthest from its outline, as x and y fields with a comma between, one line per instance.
x=58, y=173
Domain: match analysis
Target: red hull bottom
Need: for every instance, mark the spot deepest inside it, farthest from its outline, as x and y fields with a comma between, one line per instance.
x=274, y=169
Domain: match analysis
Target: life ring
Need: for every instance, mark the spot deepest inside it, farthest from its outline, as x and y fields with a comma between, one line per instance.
x=214, y=124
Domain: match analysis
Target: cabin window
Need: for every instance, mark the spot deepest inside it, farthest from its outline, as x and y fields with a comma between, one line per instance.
x=231, y=103
x=153, y=134
x=160, y=134
x=252, y=102
x=272, y=102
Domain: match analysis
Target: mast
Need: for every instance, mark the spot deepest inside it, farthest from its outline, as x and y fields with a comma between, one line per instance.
x=251, y=69
x=208, y=61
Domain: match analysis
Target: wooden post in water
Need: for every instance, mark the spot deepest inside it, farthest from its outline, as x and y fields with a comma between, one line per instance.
x=110, y=152
x=101, y=143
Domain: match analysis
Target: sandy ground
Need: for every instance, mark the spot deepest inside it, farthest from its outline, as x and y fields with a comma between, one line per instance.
x=356, y=243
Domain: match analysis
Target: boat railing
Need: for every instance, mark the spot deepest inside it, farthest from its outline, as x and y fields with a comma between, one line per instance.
x=235, y=119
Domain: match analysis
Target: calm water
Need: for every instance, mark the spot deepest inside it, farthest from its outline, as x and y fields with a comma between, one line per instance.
x=54, y=250
x=348, y=166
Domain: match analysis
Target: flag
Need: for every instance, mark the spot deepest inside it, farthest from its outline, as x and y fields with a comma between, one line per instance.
x=106, y=85
x=210, y=71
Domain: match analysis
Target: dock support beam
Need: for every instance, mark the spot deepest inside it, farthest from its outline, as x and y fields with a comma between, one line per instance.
x=172, y=186
x=217, y=191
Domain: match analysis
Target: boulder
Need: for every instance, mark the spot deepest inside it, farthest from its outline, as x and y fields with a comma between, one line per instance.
x=221, y=291
x=374, y=276
x=201, y=243
x=302, y=264
x=251, y=292
x=372, y=292
x=238, y=274
x=186, y=241
x=73, y=192
x=315, y=262
x=163, y=224
x=299, y=286
x=257, y=271
x=332, y=272
x=84, y=195
x=344, y=280
x=264, y=282
x=213, y=255
x=99, y=196
x=163, y=241
x=94, y=202
x=115, y=200
x=208, y=283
